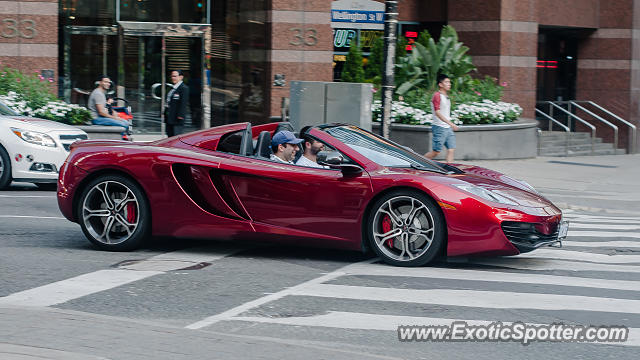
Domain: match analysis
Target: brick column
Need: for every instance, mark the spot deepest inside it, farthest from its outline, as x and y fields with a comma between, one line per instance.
x=29, y=35
x=301, y=45
x=634, y=115
x=502, y=37
x=605, y=65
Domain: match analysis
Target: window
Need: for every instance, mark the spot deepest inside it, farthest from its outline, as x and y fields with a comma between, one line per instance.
x=4, y=110
x=380, y=150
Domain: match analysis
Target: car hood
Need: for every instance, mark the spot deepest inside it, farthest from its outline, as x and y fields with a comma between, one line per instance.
x=488, y=179
x=42, y=125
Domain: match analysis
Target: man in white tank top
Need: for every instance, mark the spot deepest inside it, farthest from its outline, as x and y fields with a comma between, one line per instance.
x=441, y=125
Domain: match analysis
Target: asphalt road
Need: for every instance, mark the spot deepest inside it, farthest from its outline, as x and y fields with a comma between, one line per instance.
x=179, y=299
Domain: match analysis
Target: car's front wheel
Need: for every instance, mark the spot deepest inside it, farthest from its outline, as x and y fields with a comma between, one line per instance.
x=114, y=213
x=5, y=169
x=405, y=228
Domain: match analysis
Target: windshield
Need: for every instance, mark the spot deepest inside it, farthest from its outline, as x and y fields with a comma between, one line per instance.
x=380, y=150
x=4, y=110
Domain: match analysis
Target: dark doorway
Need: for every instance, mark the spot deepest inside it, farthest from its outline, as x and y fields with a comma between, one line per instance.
x=557, y=62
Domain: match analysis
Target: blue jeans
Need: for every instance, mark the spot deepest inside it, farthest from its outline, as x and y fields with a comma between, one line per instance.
x=111, y=122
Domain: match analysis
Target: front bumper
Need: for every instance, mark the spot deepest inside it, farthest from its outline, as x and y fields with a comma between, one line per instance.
x=36, y=163
x=527, y=236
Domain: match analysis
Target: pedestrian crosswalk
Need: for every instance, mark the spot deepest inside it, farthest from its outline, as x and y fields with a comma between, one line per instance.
x=592, y=280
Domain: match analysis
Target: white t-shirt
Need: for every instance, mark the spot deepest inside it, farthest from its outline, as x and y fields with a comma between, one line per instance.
x=440, y=102
x=274, y=157
x=303, y=161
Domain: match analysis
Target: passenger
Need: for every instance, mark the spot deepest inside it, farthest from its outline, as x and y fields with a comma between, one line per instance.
x=284, y=146
x=311, y=149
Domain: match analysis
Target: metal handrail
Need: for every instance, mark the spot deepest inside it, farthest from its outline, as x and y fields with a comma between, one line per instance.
x=615, y=128
x=566, y=128
x=632, y=148
x=593, y=128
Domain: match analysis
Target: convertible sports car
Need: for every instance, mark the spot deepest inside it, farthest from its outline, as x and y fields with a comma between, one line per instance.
x=219, y=183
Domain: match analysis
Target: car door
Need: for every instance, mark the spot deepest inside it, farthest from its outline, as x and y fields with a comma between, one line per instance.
x=304, y=199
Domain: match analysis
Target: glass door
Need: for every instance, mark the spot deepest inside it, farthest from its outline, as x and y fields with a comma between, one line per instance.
x=142, y=67
x=148, y=54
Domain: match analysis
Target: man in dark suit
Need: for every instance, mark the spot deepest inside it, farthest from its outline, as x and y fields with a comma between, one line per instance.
x=177, y=100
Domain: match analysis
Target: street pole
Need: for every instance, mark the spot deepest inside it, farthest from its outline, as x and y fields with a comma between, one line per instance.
x=388, y=82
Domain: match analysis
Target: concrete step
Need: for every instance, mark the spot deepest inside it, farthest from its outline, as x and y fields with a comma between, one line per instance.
x=553, y=143
x=558, y=135
x=556, y=152
x=550, y=143
x=577, y=148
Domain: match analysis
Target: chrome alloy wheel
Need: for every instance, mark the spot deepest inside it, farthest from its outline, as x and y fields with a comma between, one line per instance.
x=110, y=212
x=403, y=228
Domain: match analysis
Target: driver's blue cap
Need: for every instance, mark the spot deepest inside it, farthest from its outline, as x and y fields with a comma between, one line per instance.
x=284, y=137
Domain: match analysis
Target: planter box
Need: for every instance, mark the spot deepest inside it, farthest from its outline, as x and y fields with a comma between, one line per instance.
x=102, y=131
x=516, y=140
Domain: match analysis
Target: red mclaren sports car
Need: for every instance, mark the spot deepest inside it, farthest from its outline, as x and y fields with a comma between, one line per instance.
x=220, y=183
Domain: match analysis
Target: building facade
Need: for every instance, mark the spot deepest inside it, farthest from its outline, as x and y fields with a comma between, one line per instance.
x=240, y=56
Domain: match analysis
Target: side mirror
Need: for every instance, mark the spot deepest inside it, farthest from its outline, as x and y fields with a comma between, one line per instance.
x=329, y=158
x=334, y=159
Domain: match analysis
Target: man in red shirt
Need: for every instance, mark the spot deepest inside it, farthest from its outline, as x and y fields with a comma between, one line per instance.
x=441, y=125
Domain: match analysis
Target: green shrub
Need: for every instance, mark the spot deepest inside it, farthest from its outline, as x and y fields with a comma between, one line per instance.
x=32, y=95
x=421, y=68
x=477, y=90
x=34, y=89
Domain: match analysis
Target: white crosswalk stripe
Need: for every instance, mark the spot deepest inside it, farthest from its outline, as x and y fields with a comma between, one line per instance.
x=527, y=283
x=91, y=283
x=603, y=244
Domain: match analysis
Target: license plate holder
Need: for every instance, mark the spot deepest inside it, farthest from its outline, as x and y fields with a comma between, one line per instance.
x=563, y=229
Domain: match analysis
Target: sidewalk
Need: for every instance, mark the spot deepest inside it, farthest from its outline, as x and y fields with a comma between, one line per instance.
x=609, y=184
x=42, y=333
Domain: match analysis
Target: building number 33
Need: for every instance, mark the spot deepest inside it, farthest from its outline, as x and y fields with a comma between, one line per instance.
x=12, y=28
x=304, y=36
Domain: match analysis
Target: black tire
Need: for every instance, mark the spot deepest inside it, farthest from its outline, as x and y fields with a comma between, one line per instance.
x=406, y=228
x=117, y=221
x=47, y=186
x=5, y=169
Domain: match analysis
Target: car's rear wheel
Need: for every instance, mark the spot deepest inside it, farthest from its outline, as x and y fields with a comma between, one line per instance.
x=5, y=169
x=405, y=228
x=114, y=213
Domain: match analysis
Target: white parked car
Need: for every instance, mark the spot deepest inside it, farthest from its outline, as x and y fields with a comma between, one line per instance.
x=32, y=150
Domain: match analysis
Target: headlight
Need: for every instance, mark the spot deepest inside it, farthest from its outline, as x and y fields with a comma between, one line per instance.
x=34, y=137
x=485, y=194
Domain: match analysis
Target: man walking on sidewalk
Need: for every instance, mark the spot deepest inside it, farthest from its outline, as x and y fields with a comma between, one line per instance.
x=441, y=125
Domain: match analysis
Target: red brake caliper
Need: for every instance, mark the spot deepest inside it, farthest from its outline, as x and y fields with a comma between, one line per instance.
x=386, y=227
x=131, y=212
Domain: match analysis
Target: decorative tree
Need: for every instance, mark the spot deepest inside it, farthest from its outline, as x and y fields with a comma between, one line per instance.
x=373, y=71
x=353, y=70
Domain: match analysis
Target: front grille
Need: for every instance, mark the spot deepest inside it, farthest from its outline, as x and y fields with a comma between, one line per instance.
x=526, y=237
x=67, y=140
x=74, y=137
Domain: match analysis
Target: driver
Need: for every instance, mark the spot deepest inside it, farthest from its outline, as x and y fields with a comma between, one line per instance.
x=284, y=146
